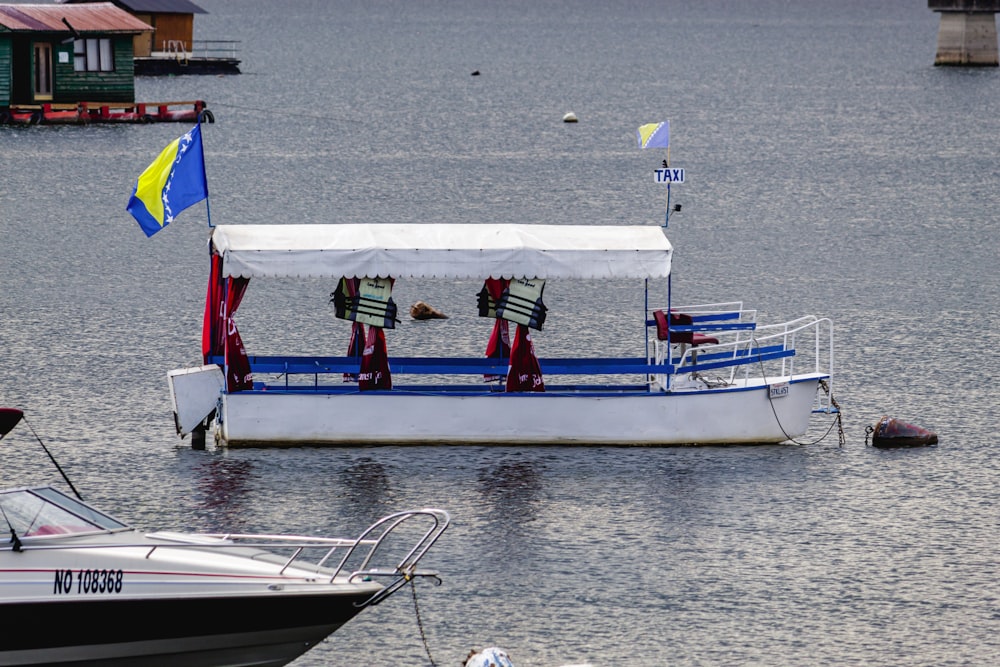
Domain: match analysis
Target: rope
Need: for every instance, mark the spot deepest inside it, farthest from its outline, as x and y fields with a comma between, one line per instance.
x=770, y=401
x=420, y=623
x=841, y=438
x=52, y=458
x=301, y=114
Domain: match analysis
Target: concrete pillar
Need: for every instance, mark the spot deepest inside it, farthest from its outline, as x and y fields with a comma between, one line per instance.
x=967, y=36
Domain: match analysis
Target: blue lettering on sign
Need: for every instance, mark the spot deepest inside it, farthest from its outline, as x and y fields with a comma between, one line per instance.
x=669, y=175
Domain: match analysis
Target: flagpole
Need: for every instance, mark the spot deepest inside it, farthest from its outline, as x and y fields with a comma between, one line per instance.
x=208, y=199
x=666, y=219
x=208, y=212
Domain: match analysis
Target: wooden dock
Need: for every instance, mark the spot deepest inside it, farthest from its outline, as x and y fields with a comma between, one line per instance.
x=178, y=66
x=217, y=56
x=83, y=113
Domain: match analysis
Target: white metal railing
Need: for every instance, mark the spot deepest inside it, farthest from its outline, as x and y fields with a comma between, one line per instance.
x=200, y=48
x=215, y=48
x=731, y=338
x=327, y=557
x=745, y=353
x=816, y=355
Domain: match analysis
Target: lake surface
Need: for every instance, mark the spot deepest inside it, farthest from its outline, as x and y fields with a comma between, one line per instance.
x=831, y=170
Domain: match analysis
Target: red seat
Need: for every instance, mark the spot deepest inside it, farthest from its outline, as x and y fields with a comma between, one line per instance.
x=680, y=337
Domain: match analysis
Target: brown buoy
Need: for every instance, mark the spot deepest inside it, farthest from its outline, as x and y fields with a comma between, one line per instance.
x=422, y=311
x=891, y=432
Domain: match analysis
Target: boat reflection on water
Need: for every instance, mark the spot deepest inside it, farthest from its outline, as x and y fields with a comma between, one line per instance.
x=223, y=485
x=513, y=486
x=512, y=489
x=366, y=482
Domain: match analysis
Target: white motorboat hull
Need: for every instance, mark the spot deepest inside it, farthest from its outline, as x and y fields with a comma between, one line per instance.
x=743, y=413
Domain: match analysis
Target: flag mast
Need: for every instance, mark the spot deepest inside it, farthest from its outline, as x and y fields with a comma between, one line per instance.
x=666, y=165
x=208, y=205
x=657, y=135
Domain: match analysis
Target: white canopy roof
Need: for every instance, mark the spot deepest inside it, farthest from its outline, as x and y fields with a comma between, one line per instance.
x=443, y=251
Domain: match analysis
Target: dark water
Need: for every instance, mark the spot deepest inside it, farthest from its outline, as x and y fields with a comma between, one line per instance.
x=832, y=170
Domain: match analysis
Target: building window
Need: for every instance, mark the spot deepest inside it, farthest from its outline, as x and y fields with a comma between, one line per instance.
x=93, y=55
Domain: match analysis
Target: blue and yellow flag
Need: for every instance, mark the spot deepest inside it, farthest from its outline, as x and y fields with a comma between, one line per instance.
x=654, y=135
x=175, y=181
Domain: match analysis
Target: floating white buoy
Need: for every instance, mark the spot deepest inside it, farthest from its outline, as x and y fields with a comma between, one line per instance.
x=570, y=118
x=488, y=657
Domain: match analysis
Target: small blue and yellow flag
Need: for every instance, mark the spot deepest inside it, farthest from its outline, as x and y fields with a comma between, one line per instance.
x=173, y=182
x=654, y=135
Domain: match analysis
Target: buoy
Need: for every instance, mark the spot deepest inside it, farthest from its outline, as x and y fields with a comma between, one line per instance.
x=570, y=118
x=422, y=311
x=488, y=657
x=891, y=432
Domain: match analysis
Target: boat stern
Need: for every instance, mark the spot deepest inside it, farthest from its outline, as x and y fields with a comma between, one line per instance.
x=194, y=394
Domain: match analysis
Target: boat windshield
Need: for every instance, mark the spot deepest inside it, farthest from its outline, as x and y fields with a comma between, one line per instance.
x=45, y=511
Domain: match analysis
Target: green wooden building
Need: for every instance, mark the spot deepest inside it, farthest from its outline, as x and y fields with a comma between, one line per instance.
x=65, y=54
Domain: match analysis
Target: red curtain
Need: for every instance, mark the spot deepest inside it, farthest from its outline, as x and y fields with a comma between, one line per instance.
x=499, y=344
x=356, y=348
x=374, y=372
x=525, y=373
x=219, y=335
x=238, y=375
x=375, y=362
x=212, y=339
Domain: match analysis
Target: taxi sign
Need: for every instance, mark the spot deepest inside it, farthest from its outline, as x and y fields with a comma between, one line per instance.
x=669, y=175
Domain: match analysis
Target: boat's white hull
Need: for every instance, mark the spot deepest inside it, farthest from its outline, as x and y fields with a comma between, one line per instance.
x=741, y=414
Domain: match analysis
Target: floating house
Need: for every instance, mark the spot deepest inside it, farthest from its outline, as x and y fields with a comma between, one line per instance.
x=171, y=47
x=73, y=64
x=54, y=53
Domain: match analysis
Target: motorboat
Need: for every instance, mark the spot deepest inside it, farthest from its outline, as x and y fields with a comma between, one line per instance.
x=709, y=373
x=80, y=587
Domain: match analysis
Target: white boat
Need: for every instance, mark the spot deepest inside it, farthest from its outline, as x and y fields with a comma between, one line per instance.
x=708, y=374
x=79, y=587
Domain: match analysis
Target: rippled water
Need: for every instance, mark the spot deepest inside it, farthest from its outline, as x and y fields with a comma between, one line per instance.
x=832, y=170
